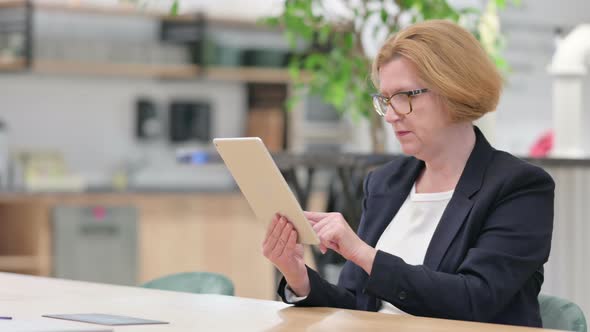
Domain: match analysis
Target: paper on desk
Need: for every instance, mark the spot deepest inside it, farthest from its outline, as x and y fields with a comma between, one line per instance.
x=46, y=325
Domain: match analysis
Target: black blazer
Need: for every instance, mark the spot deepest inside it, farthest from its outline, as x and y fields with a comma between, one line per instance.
x=485, y=260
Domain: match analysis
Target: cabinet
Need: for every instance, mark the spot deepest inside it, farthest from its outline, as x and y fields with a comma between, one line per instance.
x=95, y=243
x=24, y=237
x=175, y=233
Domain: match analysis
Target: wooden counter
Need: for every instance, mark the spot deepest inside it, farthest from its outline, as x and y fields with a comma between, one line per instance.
x=178, y=232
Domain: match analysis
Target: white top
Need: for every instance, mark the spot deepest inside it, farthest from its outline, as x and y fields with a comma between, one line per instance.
x=408, y=234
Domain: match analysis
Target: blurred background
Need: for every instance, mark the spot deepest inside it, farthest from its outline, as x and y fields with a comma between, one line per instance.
x=108, y=109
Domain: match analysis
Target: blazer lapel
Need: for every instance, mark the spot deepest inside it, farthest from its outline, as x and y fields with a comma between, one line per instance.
x=461, y=203
x=390, y=202
x=450, y=223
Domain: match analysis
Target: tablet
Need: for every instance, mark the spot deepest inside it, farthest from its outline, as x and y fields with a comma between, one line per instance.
x=262, y=183
x=106, y=319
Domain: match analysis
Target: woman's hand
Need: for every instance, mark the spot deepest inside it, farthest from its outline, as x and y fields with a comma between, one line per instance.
x=281, y=248
x=335, y=233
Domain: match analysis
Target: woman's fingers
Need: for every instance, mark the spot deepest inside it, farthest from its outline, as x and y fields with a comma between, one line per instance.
x=326, y=225
x=324, y=229
x=270, y=228
x=323, y=223
x=291, y=243
x=329, y=237
x=282, y=240
x=276, y=233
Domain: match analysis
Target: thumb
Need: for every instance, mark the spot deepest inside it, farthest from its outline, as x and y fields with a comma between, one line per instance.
x=315, y=216
x=334, y=246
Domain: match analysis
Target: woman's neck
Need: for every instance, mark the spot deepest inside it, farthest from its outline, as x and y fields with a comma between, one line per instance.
x=443, y=170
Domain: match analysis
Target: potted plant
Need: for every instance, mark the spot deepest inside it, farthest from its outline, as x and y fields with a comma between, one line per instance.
x=343, y=39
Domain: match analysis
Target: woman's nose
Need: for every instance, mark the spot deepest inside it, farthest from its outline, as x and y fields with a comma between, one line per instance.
x=391, y=116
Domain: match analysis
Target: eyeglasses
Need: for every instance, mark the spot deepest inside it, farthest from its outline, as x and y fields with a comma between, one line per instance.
x=400, y=102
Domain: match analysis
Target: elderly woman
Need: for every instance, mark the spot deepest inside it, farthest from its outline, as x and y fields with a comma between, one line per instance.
x=455, y=229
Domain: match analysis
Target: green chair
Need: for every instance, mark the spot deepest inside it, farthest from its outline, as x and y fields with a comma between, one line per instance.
x=194, y=282
x=561, y=314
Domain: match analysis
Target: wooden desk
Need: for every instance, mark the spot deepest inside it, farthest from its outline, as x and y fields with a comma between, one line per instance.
x=27, y=297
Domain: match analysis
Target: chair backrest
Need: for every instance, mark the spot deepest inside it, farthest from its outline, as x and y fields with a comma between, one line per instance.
x=561, y=314
x=194, y=282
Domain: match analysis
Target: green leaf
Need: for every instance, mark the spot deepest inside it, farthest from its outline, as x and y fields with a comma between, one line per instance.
x=344, y=70
x=470, y=11
x=292, y=101
x=336, y=95
x=174, y=8
x=291, y=38
x=349, y=40
x=307, y=8
x=419, y=5
x=384, y=15
x=324, y=34
x=406, y=4
x=297, y=27
x=315, y=61
x=270, y=21
x=294, y=69
x=501, y=63
x=501, y=4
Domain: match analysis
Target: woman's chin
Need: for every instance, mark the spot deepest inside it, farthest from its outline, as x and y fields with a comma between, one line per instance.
x=409, y=149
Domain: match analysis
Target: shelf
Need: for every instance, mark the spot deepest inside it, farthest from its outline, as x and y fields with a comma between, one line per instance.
x=131, y=10
x=127, y=10
x=111, y=69
x=19, y=263
x=12, y=3
x=16, y=64
x=104, y=68
x=248, y=74
x=136, y=70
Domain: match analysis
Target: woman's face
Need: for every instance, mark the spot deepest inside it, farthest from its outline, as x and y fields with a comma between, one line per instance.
x=423, y=131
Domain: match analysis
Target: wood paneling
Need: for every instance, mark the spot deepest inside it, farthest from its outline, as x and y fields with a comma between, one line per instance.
x=177, y=233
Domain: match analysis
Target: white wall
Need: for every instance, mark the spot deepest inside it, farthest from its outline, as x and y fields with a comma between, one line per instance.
x=91, y=120
x=217, y=8
x=525, y=112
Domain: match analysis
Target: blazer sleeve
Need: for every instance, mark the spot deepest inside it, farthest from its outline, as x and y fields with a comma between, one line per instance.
x=513, y=244
x=325, y=294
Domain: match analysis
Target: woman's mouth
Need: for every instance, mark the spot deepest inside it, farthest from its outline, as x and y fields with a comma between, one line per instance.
x=401, y=133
